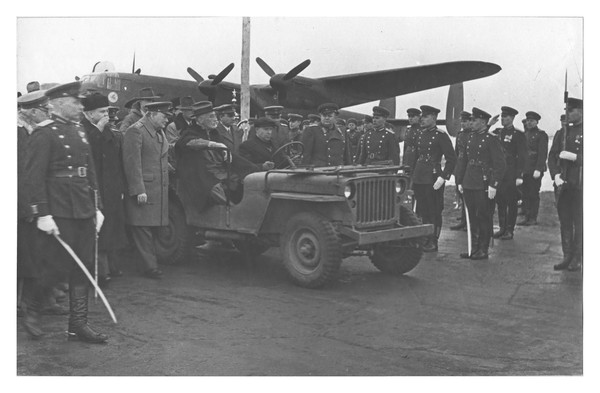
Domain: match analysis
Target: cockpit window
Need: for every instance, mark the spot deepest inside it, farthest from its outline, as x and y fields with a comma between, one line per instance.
x=113, y=83
x=94, y=80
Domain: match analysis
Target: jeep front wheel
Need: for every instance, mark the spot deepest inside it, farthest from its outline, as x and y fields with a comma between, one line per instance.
x=311, y=250
x=402, y=256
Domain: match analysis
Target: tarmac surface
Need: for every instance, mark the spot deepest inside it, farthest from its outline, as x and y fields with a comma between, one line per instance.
x=214, y=315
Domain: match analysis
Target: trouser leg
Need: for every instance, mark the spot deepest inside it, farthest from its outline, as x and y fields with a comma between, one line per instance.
x=535, y=198
x=502, y=208
x=438, y=201
x=143, y=239
x=577, y=212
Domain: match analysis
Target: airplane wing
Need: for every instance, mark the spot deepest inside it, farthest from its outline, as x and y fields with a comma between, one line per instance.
x=354, y=89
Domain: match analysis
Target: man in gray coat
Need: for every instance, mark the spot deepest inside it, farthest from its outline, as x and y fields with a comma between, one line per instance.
x=145, y=157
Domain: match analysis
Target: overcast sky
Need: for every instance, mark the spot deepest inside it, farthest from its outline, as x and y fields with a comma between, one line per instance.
x=533, y=52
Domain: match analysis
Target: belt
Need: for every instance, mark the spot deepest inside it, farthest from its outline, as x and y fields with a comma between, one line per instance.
x=72, y=172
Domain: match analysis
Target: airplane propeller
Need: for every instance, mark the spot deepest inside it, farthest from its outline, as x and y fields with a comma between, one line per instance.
x=222, y=74
x=209, y=86
x=280, y=82
x=195, y=75
x=265, y=67
x=296, y=70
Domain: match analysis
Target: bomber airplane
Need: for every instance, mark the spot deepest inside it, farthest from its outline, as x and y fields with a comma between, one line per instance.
x=296, y=93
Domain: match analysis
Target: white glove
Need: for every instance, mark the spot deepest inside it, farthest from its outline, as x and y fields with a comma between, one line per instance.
x=558, y=181
x=567, y=155
x=216, y=145
x=536, y=174
x=268, y=165
x=99, y=220
x=460, y=188
x=47, y=224
x=519, y=181
x=491, y=192
x=439, y=183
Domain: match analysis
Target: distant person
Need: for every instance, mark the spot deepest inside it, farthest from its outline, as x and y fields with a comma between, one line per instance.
x=379, y=145
x=232, y=136
x=459, y=148
x=535, y=166
x=106, y=145
x=565, y=163
x=295, y=123
x=353, y=137
x=479, y=170
x=325, y=144
x=62, y=190
x=515, y=153
x=314, y=119
x=137, y=107
x=410, y=137
x=145, y=150
x=260, y=148
x=182, y=120
x=281, y=135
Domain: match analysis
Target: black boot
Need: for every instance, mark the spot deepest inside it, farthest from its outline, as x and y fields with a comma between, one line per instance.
x=78, y=324
x=566, y=237
x=508, y=235
x=431, y=245
x=480, y=254
x=30, y=306
x=564, y=265
x=459, y=226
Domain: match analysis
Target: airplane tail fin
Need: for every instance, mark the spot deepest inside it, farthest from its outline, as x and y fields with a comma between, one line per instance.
x=390, y=105
x=454, y=106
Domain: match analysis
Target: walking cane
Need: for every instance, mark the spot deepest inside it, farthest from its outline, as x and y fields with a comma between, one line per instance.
x=88, y=275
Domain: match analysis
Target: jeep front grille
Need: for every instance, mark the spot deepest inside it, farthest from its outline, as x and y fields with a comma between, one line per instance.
x=375, y=201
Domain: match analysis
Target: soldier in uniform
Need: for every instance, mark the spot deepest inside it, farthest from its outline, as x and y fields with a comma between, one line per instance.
x=314, y=119
x=353, y=137
x=428, y=176
x=60, y=184
x=515, y=153
x=535, y=166
x=459, y=148
x=106, y=145
x=145, y=150
x=565, y=163
x=325, y=144
x=479, y=170
x=232, y=136
x=295, y=121
x=137, y=106
x=379, y=145
x=410, y=137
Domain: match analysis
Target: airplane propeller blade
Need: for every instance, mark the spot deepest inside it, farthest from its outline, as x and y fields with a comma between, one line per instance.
x=265, y=67
x=454, y=106
x=195, y=75
x=222, y=74
x=296, y=70
x=133, y=65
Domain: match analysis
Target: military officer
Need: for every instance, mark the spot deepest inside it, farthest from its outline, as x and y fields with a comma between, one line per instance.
x=353, y=136
x=145, y=150
x=325, y=144
x=137, y=107
x=232, y=136
x=535, y=166
x=410, y=137
x=515, y=153
x=565, y=163
x=428, y=176
x=480, y=168
x=62, y=191
x=314, y=119
x=295, y=121
x=459, y=148
x=379, y=145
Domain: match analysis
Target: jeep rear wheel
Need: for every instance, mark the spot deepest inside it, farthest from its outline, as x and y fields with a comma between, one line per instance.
x=311, y=250
x=402, y=256
x=173, y=242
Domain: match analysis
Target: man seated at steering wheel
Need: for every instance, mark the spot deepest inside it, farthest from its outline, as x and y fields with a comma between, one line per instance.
x=260, y=147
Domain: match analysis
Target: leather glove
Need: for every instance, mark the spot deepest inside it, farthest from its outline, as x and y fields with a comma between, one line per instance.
x=491, y=192
x=519, y=181
x=558, y=181
x=439, y=183
x=567, y=155
x=99, y=220
x=536, y=174
x=268, y=165
x=460, y=188
x=47, y=224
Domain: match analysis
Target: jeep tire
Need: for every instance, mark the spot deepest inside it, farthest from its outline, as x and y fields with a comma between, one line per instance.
x=402, y=256
x=311, y=250
x=174, y=241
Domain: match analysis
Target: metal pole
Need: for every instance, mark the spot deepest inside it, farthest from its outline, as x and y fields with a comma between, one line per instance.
x=245, y=85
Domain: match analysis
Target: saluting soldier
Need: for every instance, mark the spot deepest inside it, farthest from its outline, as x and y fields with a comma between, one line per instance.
x=137, y=107
x=410, y=137
x=459, y=148
x=535, y=166
x=62, y=191
x=325, y=144
x=428, y=176
x=515, y=151
x=479, y=171
x=565, y=163
x=379, y=145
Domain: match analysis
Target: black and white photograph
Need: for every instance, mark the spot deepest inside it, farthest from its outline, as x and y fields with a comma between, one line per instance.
x=294, y=194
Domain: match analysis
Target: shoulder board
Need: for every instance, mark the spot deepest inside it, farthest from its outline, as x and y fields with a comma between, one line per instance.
x=45, y=123
x=390, y=131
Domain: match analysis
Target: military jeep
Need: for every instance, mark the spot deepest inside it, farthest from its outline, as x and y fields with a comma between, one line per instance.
x=317, y=216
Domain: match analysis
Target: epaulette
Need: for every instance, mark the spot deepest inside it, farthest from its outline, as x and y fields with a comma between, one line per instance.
x=389, y=131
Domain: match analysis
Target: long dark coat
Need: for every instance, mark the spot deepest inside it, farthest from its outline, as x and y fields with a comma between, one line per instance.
x=231, y=138
x=108, y=161
x=145, y=151
x=325, y=147
x=258, y=151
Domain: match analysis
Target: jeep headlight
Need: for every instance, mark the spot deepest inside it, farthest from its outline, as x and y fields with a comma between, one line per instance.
x=349, y=191
x=400, y=185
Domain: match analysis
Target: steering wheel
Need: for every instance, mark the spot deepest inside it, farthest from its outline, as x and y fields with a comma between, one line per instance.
x=292, y=153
